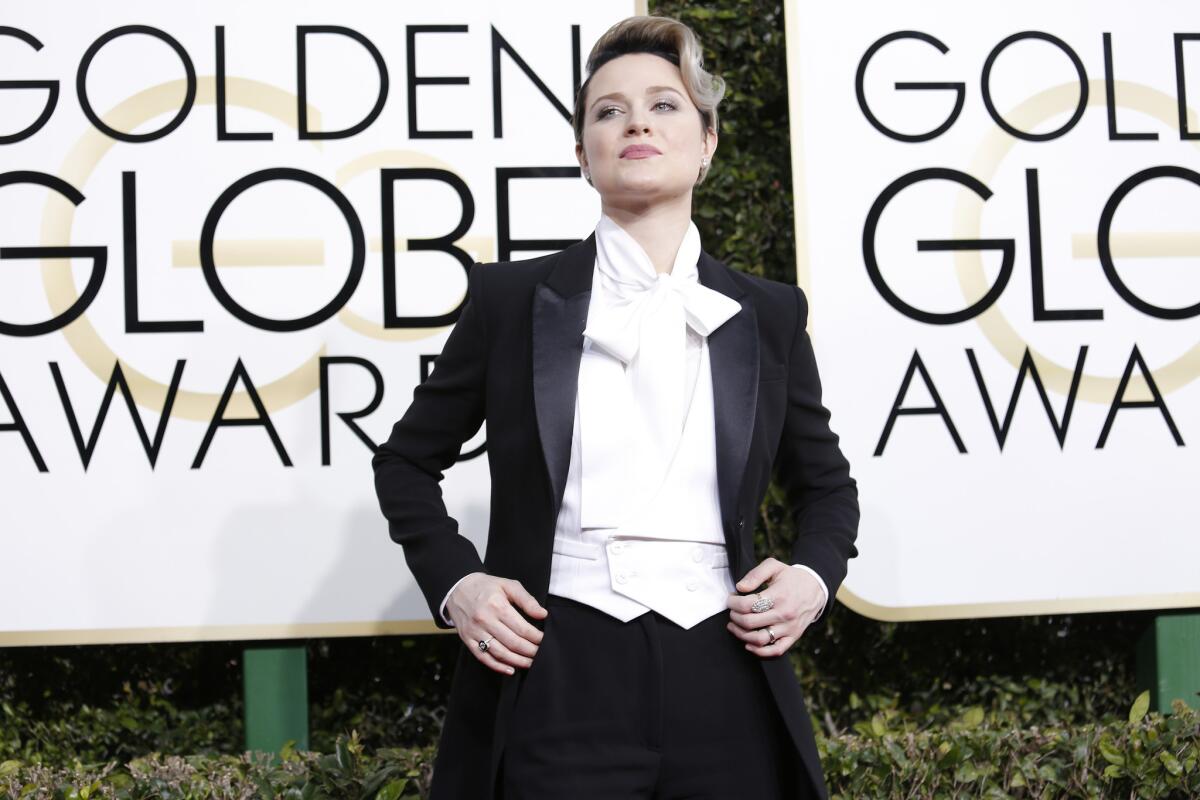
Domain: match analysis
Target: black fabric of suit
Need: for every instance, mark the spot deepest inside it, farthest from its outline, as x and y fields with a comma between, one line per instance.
x=645, y=710
x=513, y=358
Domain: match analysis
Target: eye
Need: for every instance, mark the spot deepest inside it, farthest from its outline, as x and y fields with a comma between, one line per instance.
x=603, y=113
x=667, y=103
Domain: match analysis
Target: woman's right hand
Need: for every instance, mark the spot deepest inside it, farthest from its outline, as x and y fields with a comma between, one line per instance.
x=482, y=606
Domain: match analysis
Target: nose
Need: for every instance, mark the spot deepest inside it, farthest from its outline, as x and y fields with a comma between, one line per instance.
x=637, y=124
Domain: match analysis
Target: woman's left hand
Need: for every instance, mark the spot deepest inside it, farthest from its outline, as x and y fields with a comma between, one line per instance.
x=798, y=598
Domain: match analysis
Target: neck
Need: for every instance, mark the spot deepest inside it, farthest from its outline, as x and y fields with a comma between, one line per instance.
x=658, y=228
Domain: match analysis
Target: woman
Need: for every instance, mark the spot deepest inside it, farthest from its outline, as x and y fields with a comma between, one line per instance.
x=639, y=395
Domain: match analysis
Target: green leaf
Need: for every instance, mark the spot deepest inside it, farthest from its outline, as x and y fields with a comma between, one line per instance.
x=1111, y=754
x=1171, y=763
x=343, y=753
x=393, y=790
x=973, y=717
x=1138, y=710
x=378, y=779
x=897, y=754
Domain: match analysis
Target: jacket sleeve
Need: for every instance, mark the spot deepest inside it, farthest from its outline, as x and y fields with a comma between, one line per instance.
x=447, y=409
x=812, y=471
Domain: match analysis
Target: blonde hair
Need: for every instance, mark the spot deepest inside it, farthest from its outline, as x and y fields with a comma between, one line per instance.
x=667, y=38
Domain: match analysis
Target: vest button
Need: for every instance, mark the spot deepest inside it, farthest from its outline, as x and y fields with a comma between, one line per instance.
x=698, y=554
x=621, y=577
x=741, y=523
x=692, y=586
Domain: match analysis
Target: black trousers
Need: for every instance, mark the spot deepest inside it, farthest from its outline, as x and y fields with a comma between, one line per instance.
x=645, y=709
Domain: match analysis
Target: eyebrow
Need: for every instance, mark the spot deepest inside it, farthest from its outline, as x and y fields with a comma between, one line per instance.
x=649, y=90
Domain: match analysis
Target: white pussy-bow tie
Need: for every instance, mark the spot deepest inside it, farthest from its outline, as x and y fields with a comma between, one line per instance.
x=632, y=394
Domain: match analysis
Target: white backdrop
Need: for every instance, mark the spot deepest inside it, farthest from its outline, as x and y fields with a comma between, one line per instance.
x=243, y=538
x=221, y=538
x=1102, y=521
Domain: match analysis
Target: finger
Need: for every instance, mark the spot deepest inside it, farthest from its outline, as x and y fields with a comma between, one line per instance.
x=530, y=637
x=782, y=643
x=754, y=619
x=740, y=602
x=527, y=602
x=490, y=661
x=504, y=645
x=759, y=575
x=761, y=619
x=793, y=635
x=743, y=603
x=756, y=635
x=498, y=653
x=506, y=632
x=745, y=634
x=484, y=657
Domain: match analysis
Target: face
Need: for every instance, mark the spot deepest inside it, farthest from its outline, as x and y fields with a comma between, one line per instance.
x=643, y=138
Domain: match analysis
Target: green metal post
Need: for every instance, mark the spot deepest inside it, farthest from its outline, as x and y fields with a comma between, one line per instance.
x=1168, y=659
x=275, y=691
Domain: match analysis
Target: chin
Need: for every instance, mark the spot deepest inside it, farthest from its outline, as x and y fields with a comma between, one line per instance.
x=647, y=187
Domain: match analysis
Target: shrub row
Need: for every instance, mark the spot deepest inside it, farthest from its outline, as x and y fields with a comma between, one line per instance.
x=143, y=718
x=1147, y=756
x=348, y=772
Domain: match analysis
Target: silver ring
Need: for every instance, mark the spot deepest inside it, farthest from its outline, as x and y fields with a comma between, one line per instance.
x=770, y=633
x=762, y=603
x=483, y=643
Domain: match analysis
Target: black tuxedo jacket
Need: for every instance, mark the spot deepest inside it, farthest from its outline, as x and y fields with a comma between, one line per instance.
x=513, y=359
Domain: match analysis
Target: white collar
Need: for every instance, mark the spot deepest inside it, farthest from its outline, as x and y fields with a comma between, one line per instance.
x=623, y=261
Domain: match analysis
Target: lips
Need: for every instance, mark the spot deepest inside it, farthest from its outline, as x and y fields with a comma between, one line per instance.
x=640, y=151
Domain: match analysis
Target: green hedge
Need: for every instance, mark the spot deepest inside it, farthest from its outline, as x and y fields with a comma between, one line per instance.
x=1145, y=756
x=145, y=718
x=348, y=772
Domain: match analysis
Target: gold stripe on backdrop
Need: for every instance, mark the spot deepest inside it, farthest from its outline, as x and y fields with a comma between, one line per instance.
x=209, y=633
x=1018, y=608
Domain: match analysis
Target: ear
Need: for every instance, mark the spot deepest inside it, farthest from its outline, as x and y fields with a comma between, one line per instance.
x=710, y=143
x=581, y=157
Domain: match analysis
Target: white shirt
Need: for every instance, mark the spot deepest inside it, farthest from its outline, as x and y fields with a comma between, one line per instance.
x=622, y=266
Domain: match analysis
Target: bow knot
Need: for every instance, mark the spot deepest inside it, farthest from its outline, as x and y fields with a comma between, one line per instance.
x=634, y=296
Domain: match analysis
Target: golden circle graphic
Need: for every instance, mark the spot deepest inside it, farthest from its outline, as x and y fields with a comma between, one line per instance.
x=59, y=217
x=483, y=245
x=969, y=265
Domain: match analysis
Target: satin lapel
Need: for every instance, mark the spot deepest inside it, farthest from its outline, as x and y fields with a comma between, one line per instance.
x=560, y=306
x=733, y=352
